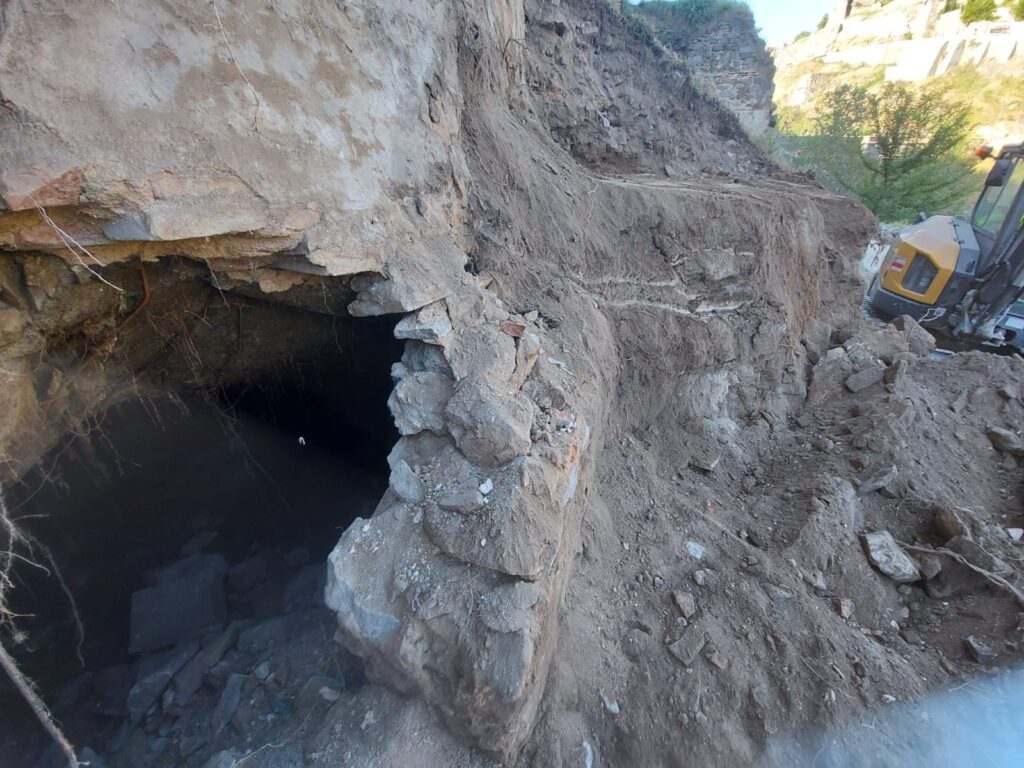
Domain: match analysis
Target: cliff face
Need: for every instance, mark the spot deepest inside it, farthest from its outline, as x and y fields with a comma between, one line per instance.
x=727, y=56
x=915, y=41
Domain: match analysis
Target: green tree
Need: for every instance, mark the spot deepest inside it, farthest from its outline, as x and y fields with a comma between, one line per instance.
x=823, y=22
x=978, y=10
x=839, y=112
x=914, y=159
x=1018, y=10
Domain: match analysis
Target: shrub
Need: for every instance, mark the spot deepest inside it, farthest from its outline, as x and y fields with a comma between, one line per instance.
x=978, y=10
x=824, y=21
x=1018, y=10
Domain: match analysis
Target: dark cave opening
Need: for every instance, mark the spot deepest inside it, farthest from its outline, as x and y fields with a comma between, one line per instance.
x=253, y=480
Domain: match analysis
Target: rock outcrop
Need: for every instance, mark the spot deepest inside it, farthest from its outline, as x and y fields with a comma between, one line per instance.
x=459, y=166
x=913, y=41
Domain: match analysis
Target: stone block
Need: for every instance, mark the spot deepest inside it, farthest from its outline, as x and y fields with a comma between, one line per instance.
x=178, y=609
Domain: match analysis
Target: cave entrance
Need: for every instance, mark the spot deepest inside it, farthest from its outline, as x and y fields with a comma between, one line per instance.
x=202, y=502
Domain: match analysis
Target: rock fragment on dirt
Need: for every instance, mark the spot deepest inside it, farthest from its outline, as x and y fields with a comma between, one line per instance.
x=878, y=480
x=865, y=378
x=930, y=566
x=950, y=522
x=688, y=647
x=189, y=678
x=896, y=373
x=225, y=759
x=979, y=651
x=1006, y=441
x=228, y=703
x=816, y=339
x=685, y=602
x=844, y=607
x=464, y=499
x=889, y=558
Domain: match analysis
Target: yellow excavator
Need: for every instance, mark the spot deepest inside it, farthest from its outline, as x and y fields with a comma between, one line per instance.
x=963, y=278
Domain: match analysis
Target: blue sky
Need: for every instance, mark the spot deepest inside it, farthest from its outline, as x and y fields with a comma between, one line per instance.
x=780, y=21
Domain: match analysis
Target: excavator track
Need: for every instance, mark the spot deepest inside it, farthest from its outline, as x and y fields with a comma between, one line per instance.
x=869, y=313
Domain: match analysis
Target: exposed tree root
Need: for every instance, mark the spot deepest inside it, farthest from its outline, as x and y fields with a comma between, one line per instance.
x=24, y=686
x=38, y=707
x=994, y=578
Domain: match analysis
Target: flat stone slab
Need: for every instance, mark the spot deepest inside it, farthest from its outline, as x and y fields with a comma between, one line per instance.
x=179, y=609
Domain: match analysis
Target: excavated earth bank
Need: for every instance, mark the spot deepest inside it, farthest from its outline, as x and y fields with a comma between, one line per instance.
x=635, y=429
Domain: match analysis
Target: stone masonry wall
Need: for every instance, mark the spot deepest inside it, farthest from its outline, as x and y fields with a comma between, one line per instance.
x=729, y=56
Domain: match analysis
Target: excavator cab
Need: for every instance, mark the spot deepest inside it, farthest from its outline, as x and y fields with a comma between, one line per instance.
x=959, y=276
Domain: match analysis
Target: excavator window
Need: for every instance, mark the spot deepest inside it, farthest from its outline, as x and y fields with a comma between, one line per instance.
x=997, y=202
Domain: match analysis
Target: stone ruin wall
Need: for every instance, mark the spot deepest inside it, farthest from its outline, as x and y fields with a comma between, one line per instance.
x=730, y=57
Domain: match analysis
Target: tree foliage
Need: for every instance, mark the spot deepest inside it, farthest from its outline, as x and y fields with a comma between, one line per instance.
x=978, y=10
x=1018, y=10
x=839, y=112
x=914, y=158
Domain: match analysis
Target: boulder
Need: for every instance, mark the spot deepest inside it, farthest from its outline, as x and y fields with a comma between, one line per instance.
x=419, y=274
x=483, y=351
x=39, y=185
x=406, y=484
x=878, y=480
x=430, y=325
x=490, y=426
x=179, y=609
x=515, y=533
x=865, y=378
x=418, y=402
